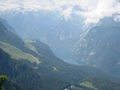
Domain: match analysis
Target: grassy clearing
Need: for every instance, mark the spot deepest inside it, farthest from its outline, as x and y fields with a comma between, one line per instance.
x=28, y=44
x=88, y=85
x=17, y=54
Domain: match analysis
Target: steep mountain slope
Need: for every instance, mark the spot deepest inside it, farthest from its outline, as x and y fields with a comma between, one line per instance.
x=9, y=37
x=50, y=28
x=101, y=47
x=20, y=63
x=25, y=76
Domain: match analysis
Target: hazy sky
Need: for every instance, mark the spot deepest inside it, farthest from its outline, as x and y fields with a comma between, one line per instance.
x=91, y=10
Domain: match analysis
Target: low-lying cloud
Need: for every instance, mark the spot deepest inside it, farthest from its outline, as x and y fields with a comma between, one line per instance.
x=92, y=10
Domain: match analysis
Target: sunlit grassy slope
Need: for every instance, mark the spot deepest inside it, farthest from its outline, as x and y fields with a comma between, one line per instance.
x=28, y=44
x=88, y=85
x=17, y=54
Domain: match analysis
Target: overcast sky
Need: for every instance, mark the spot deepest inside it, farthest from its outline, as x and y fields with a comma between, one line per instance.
x=91, y=10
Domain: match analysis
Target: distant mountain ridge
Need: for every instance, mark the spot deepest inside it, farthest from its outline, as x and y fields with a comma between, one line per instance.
x=100, y=47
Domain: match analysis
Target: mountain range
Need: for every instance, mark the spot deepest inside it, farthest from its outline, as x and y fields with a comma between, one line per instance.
x=31, y=65
x=50, y=28
x=99, y=46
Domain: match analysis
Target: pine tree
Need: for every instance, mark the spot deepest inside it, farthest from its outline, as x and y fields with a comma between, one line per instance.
x=2, y=80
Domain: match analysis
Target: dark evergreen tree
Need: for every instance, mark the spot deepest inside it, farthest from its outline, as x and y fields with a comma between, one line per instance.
x=2, y=80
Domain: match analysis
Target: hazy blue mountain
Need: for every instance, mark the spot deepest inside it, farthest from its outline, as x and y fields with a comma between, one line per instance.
x=33, y=66
x=50, y=28
x=100, y=46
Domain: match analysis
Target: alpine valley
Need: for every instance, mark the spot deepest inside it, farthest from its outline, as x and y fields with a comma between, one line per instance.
x=32, y=47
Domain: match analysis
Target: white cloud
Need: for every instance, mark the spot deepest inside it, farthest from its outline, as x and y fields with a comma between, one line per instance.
x=67, y=13
x=104, y=8
x=117, y=18
x=91, y=10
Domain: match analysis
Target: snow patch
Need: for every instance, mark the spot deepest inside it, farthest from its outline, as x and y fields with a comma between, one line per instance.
x=92, y=53
x=55, y=69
